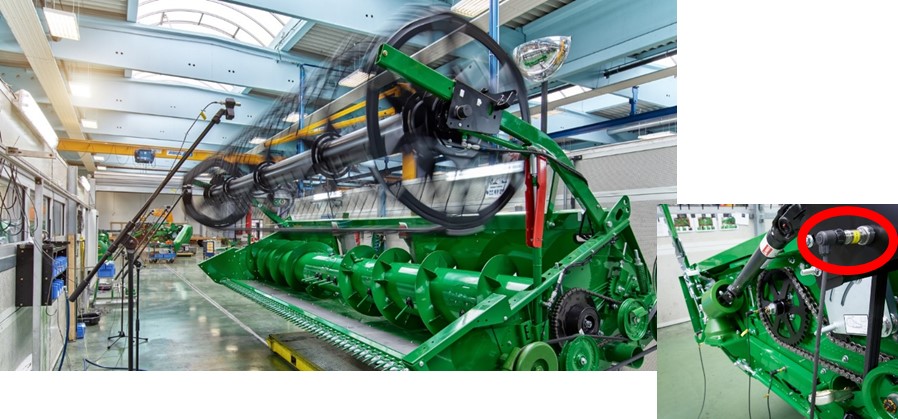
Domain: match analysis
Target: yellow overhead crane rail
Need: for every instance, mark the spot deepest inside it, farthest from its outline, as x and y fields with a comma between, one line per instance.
x=101, y=147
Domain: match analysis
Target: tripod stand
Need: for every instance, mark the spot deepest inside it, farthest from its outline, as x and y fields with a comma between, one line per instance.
x=121, y=329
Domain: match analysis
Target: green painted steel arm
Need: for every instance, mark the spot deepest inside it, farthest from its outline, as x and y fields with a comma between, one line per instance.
x=442, y=87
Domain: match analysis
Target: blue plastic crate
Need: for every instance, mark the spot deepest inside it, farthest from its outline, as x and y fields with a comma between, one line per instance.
x=55, y=288
x=107, y=270
x=60, y=263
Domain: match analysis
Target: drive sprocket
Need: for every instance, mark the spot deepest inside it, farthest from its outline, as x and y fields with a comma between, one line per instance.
x=574, y=312
x=783, y=311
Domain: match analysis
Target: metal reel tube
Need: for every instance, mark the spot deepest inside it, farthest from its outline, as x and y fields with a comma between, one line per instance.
x=346, y=150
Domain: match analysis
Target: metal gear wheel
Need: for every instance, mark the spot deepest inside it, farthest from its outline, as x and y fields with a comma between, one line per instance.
x=573, y=312
x=783, y=311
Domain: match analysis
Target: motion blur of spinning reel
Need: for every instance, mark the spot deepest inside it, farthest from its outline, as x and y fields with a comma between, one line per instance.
x=411, y=141
x=453, y=287
x=457, y=181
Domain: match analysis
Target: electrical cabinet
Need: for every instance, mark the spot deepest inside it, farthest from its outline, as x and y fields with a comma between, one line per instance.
x=54, y=264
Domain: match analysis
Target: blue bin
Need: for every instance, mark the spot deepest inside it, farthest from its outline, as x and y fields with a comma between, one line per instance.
x=55, y=288
x=107, y=270
x=79, y=330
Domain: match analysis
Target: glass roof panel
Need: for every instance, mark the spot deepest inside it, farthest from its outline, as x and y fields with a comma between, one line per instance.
x=212, y=17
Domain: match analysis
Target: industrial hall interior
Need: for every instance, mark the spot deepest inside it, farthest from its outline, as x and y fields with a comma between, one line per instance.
x=244, y=185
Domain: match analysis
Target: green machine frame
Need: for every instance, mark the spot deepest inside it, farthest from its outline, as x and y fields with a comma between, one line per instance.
x=768, y=331
x=490, y=300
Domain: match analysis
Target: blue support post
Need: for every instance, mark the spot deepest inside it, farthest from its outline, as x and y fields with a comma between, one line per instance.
x=494, y=33
x=634, y=100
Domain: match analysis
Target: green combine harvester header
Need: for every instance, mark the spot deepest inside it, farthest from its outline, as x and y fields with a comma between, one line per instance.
x=539, y=290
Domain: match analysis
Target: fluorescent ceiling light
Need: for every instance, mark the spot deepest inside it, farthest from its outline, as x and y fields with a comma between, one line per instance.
x=35, y=116
x=79, y=89
x=88, y=123
x=101, y=167
x=656, y=135
x=354, y=79
x=258, y=140
x=327, y=195
x=62, y=24
x=99, y=158
x=470, y=8
x=292, y=118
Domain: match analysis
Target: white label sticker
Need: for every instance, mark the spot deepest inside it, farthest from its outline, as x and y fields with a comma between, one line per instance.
x=767, y=249
x=855, y=324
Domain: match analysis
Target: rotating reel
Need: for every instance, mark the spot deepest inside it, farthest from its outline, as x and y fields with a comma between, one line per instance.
x=456, y=180
x=220, y=211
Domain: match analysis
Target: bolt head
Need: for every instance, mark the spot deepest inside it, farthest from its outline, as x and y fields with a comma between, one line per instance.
x=583, y=360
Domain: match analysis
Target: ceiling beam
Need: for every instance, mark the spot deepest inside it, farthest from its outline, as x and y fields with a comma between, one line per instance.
x=289, y=37
x=609, y=88
x=26, y=27
x=159, y=127
x=132, y=11
x=603, y=34
x=159, y=50
x=130, y=95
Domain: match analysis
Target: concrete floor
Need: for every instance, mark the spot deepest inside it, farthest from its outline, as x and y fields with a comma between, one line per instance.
x=192, y=324
x=185, y=330
x=680, y=382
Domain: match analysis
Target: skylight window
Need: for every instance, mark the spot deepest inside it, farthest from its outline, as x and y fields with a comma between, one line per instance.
x=161, y=78
x=212, y=17
x=560, y=94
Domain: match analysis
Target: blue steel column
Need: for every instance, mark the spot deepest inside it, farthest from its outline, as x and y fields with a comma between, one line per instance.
x=300, y=145
x=494, y=33
x=634, y=100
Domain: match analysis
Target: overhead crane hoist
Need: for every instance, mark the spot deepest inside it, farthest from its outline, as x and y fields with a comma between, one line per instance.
x=471, y=289
x=808, y=309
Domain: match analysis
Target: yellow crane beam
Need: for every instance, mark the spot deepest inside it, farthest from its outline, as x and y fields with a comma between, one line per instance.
x=101, y=147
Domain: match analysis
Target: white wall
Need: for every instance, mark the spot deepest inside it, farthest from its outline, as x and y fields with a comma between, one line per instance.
x=698, y=246
x=15, y=322
x=117, y=208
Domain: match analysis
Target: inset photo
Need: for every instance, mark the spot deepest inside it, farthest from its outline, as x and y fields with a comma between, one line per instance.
x=768, y=311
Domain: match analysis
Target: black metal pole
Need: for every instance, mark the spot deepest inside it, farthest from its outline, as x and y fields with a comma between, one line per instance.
x=137, y=311
x=126, y=231
x=130, y=309
x=878, y=289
